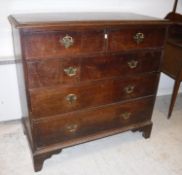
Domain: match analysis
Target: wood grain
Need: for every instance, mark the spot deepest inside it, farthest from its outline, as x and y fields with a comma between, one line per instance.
x=89, y=122
x=52, y=101
x=50, y=72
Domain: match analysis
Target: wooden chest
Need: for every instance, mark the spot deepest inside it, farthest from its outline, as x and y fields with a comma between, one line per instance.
x=84, y=76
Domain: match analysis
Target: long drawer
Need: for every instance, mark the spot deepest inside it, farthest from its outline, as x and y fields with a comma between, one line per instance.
x=80, y=124
x=50, y=72
x=61, y=99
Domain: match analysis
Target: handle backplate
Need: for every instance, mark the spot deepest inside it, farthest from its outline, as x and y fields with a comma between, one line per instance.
x=126, y=115
x=139, y=37
x=133, y=64
x=67, y=41
x=71, y=98
x=129, y=89
x=70, y=71
x=72, y=127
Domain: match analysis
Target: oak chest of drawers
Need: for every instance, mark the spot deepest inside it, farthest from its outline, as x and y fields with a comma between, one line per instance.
x=84, y=76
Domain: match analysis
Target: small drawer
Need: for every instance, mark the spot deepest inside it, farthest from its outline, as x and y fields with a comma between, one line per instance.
x=41, y=45
x=136, y=38
x=81, y=124
x=55, y=100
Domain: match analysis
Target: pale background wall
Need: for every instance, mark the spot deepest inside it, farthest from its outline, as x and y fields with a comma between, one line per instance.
x=9, y=100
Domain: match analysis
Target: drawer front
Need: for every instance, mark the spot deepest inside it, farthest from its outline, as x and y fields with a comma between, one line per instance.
x=119, y=65
x=172, y=62
x=84, y=123
x=52, y=101
x=135, y=38
x=43, y=45
x=71, y=70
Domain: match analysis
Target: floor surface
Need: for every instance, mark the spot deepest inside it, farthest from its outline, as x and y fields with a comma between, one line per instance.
x=123, y=154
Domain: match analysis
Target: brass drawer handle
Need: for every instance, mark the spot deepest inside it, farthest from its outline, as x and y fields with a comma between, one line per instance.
x=129, y=89
x=72, y=128
x=139, y=37
x=132, y=64
x=71, y=98
x=126, y=115
x=67, y=41
x=70, y=71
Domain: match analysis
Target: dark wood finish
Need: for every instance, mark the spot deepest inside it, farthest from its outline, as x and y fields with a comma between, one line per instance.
x=102, y=82
x=117, y=65
x=44, y=73
x=50, y=72
x=174, y=95
x=173, y=16
x=172, y=64
x=122, y=39
x=146, y=130
x=84, y=123
x=47, y=44
x=175, y=5
x=47, y=21
x=52, y=101
x=38, y=159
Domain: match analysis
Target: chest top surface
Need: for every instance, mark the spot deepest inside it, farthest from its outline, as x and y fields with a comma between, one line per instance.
x=81, y=19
